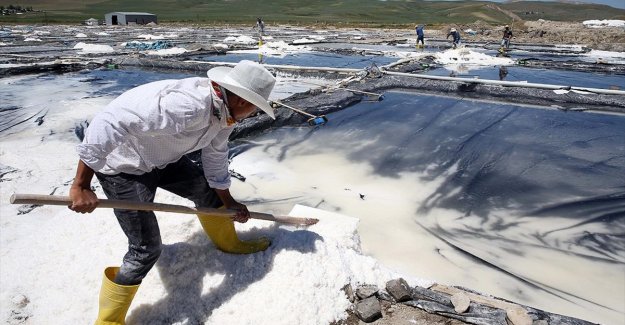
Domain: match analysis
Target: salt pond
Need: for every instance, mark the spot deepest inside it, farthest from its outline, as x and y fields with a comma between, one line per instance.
x=522, y=203
x=534, y=75
x=312, y=59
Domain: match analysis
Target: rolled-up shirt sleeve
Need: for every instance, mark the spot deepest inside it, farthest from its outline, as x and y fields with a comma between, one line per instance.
x=215, y=161
x=167, y=111
x=102, y=136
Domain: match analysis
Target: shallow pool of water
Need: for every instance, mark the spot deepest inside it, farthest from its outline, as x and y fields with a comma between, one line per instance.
x=309, y=59
x=536, y=75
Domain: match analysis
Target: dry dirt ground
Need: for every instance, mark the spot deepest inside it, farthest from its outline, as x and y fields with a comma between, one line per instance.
x=541, y=32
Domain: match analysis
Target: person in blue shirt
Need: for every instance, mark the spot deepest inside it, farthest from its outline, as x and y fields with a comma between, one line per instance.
x=420, y=34
x=456, y=37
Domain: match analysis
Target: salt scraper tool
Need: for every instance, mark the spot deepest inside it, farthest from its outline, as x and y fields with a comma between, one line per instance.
x=314, y=120
x=148, y=206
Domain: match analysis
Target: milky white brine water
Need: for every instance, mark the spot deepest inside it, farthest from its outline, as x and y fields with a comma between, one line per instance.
x=439, y=195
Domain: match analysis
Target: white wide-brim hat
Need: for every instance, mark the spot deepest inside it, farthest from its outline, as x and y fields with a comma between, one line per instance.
x=248, y=80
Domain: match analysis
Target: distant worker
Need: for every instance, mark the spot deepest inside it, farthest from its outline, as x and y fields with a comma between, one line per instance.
x=505, y=41
x=260, y=25
x=456, y=37
x=420, y=35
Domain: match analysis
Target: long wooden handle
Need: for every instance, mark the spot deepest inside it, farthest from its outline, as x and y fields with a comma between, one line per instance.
x=148, y=206
x=295, y=109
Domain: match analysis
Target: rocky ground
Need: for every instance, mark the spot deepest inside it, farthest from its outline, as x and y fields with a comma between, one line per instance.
x=395, y=314
x=399, y=303
x=541, y=32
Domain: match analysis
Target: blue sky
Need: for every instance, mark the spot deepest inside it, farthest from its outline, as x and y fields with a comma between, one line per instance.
x=613, y=3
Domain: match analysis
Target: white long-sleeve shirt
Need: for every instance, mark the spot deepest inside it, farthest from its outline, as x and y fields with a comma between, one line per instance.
x=156, y=124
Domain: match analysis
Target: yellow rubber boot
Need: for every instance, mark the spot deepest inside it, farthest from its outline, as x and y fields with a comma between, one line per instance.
x=221, y=232
x=115, y=299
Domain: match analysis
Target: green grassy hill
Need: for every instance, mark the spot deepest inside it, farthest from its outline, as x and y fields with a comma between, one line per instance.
x=346, y=12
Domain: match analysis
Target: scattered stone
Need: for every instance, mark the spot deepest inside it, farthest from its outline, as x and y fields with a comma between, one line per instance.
x=442, y=305
x=349, y=292
x=368, y=310
x=518, y=317
x=399, y=289
x=461, y=302
x=383, y=295
x=400, y=314
x=504, y=311
x=430, y=306
x=426, y=294
x=480, y=314
x=366, y=291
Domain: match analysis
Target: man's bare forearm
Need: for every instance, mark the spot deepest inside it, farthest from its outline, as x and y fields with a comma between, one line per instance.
x=229, y=202
x=84, y=175
x=83, y=198
x=225, y=197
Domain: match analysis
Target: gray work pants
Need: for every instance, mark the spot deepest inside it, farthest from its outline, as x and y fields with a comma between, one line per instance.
x=183, y=178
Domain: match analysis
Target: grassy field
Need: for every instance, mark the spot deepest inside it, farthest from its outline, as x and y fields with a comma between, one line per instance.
x=346, y=12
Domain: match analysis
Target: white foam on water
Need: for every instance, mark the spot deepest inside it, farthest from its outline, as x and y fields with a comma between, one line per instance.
x=276, y=49
x=463, y=60
x=242, y=39
x=151, y=37
x=93, y=48
x=169, y=51
x=309, y=39
x=606, y=57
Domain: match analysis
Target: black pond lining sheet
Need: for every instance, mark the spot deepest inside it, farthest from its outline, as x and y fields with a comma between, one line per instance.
x=416, y=92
